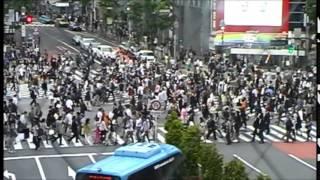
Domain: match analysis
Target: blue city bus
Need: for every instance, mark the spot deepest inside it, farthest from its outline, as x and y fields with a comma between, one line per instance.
x=139, y=161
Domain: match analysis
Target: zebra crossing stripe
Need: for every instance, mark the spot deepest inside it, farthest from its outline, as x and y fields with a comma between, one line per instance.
x=18, y=145
x=119, y=140
x=221, y=140
x=312, y=127
x=161, y=138
x=284, y=132
x=267, y=136
x=244, y=138
x=256, y=137
x=47, y=145
x=77, y=144
x=163, y=130
x=64, y=143
x=30, y=143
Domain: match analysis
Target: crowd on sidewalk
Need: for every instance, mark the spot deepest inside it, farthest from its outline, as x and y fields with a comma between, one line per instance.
x=225, y=94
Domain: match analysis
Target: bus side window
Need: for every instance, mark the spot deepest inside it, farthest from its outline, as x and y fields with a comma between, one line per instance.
x=168, y=172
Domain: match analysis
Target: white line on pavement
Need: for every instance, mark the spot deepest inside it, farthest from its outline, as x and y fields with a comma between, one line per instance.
x=55, y=155
x=69, y=46
x=249, y=165
x=43, y=177
x=161, y=138
x=91, y=158
x=163, y=130
x=298, y=159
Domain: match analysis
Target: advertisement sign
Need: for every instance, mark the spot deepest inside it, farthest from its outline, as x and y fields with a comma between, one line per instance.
x=266, y=16
x=253, y=13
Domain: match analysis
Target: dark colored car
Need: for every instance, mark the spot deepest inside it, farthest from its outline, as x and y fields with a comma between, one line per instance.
x=75, y=27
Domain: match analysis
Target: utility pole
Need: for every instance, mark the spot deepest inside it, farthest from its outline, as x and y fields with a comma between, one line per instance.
x=306, y=24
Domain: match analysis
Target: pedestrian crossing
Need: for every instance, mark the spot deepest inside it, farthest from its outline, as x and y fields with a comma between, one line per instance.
x=24, y=92
x=277, y=134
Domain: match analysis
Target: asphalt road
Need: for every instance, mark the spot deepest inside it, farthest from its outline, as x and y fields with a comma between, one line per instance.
x=53, y=163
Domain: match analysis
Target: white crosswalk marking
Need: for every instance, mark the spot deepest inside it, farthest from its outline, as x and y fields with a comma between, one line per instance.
x=161, y=138
x=267, y=136
x=30, y=142
x=277, y=134
x=64, y=143
x=47, y=145
x=119, y=140
x=284, y=132
x=18, y=145
x=244, y=138
x=77, y=144
x=25, y=93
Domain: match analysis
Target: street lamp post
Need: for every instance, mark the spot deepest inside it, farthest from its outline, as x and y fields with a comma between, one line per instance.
x=222, y=26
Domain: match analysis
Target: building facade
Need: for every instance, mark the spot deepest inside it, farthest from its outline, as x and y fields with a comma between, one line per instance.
x=194, y=24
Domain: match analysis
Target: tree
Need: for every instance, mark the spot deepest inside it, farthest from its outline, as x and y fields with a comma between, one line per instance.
x=110, y=9
x=211, y=162
x=172, y=115
x=190, y=146
x=311, y=9
x=175, y=130
x=147, y=18
x=18, y=4
x=235, y=170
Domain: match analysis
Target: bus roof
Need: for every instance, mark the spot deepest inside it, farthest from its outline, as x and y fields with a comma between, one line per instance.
x=131, y=158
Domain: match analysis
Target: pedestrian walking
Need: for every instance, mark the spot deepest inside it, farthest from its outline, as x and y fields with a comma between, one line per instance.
x=37, y=133
x=289, y=128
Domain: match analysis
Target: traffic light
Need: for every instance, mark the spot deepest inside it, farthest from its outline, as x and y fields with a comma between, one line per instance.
x=29, y=19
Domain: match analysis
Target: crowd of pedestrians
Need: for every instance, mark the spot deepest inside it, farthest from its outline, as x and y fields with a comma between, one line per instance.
x=226, y=93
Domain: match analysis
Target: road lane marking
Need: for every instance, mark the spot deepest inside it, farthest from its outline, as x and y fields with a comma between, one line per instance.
x=298, y=159
x=64, y=143
x=249, y=165
x=284, y=132
x=49, y=145
x=244, y=138
x=56, y=156
x=163, y=130
x=18, y=145
x=265, y=135
x=69, y=46
x=161, y=138
x=43, y=177
x=30, y=142
x=92, y=159
x=92, y=35
x=77, y=144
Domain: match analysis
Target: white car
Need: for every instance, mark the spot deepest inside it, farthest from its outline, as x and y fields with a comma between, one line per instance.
x=85, y=42
x=105, y=51
x=146, y=54
x=76, y=39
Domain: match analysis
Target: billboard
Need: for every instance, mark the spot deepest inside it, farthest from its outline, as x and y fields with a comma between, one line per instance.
x=268, y=16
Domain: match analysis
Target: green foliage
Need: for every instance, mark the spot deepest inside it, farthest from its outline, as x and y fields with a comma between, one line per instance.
x=263, y=177
x=190, y=146
x=211, y=161
x=175, y=130
x=110, y=8
x=235, y=170
x=147, y=18
x=169, y=119
x=311, y=9
x=84, y=2
x=18, y=4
